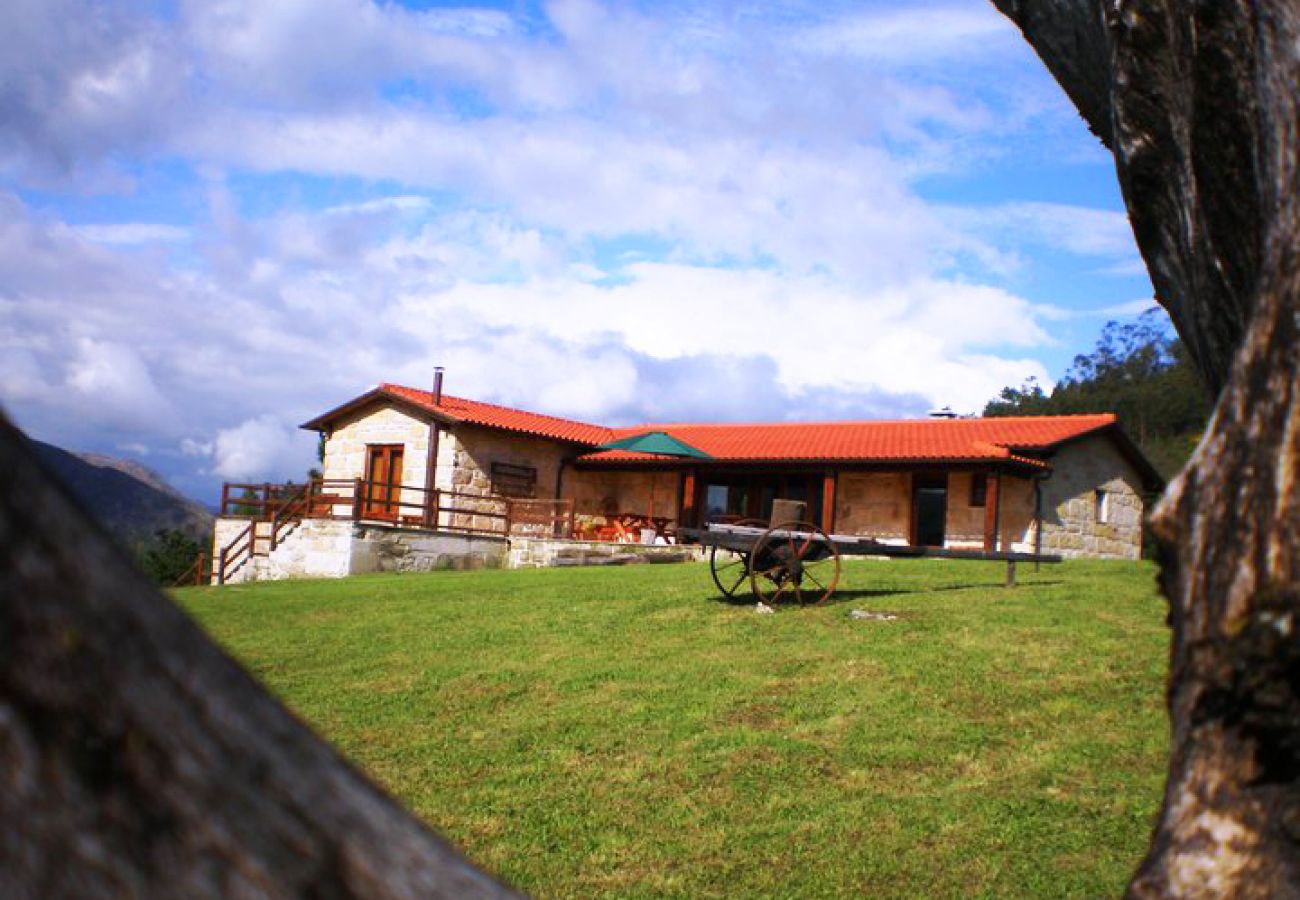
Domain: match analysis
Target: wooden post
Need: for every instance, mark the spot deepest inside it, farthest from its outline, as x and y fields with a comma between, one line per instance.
x=992, y=499
x=225, y=497
x=1011, y=573
x=688, y=499
x=828, y=501
x=431, y=477
x=356, y=500
x=572, y=517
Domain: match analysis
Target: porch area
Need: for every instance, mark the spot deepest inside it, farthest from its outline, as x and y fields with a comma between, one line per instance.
x=335, y=527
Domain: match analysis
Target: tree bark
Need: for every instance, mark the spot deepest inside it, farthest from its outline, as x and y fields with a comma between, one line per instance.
x=136, y=759
x=1201, y=114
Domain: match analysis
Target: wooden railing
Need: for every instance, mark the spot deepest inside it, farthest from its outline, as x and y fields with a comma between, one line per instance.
x=357, y=499
x=257, y=501
x=285, y=506
x=198, y=573
x=237, y=553
x=540, y=518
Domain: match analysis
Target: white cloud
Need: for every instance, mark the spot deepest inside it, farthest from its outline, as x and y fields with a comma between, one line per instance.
x=913, y=35
x=127, y=233
x=110, y=380
x=191, y=447
x=264, y=448
x=1080, y=230
x=929, y=338
x=612, y=212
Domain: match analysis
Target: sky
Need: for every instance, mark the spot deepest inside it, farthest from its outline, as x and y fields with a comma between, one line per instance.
x=221, y=218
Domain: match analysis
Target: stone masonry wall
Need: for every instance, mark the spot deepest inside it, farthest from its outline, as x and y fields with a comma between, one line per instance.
x=470, y=452
x=316, y=548
x=346, y=448
x=532, y=554
x=328, y=548
x=1070, y=527
x=377, y=548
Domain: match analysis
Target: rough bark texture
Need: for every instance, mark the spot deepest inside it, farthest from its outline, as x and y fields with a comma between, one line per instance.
x=1202, y=119
x=137, y=760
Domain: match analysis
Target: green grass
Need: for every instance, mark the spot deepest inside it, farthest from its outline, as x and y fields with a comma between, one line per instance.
x=619, y=731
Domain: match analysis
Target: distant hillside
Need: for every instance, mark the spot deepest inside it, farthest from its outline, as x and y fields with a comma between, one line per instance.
x=130, y=500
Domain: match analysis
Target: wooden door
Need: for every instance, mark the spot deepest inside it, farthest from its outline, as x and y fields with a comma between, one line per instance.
x=383, y=489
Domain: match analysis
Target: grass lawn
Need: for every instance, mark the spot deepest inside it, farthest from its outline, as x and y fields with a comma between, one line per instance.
x=621, y=731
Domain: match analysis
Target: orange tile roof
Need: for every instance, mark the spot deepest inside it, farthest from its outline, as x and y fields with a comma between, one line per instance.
x=490, y=415
x=1013, y=440
x=914, y=440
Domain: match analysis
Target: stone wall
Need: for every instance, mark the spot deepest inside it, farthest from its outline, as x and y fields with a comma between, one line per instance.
x=1070, y=526
x=329, y=548
x=377, y=548
x=470, y=452
x=531, y=554
x=464, y=465
x=345, y=449
x=316, y=548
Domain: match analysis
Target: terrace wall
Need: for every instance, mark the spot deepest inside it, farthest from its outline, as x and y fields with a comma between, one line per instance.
x=326, y=548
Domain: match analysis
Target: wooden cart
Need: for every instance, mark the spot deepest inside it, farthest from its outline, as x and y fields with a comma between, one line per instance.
x=798, y=562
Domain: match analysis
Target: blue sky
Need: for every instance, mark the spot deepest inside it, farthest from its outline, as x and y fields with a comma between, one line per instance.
x=220, y=218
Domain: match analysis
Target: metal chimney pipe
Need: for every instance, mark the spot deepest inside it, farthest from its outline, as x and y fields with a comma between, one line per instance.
x=437, y=385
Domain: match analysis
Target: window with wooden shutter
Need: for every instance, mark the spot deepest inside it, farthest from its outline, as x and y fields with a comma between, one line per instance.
x=514, y=481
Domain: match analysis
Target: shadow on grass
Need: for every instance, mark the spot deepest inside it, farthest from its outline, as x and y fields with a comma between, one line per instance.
x=840, y=597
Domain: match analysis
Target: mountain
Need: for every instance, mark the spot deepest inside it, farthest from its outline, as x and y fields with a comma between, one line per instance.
x=130, y=500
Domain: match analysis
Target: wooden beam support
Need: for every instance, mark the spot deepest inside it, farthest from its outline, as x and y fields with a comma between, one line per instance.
x=431, y=477
x=828, y=501
x=992, y=501
x=687, y=516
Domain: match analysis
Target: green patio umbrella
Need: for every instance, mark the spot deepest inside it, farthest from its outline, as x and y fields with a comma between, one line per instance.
x=660, y=442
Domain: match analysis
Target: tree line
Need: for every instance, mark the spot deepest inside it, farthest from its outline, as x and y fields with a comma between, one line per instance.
x=1139, y=371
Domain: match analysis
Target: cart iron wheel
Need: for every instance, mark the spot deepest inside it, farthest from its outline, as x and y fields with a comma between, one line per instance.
x=794, y=561
x=730, y=568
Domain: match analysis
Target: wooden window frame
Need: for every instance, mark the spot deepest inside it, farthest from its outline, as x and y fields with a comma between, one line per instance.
x=1101, y=510
x=979, y=490
x=515, y=481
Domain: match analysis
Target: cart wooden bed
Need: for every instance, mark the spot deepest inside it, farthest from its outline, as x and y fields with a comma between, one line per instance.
x=799, y=562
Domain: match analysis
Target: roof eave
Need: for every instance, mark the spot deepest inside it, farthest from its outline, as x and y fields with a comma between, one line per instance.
x=377, y=395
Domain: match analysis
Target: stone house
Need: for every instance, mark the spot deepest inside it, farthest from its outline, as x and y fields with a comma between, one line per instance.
x=1073, y=485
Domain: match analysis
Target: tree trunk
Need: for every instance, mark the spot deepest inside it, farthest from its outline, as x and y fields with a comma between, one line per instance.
x=1198, y=102
x=137, y=760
